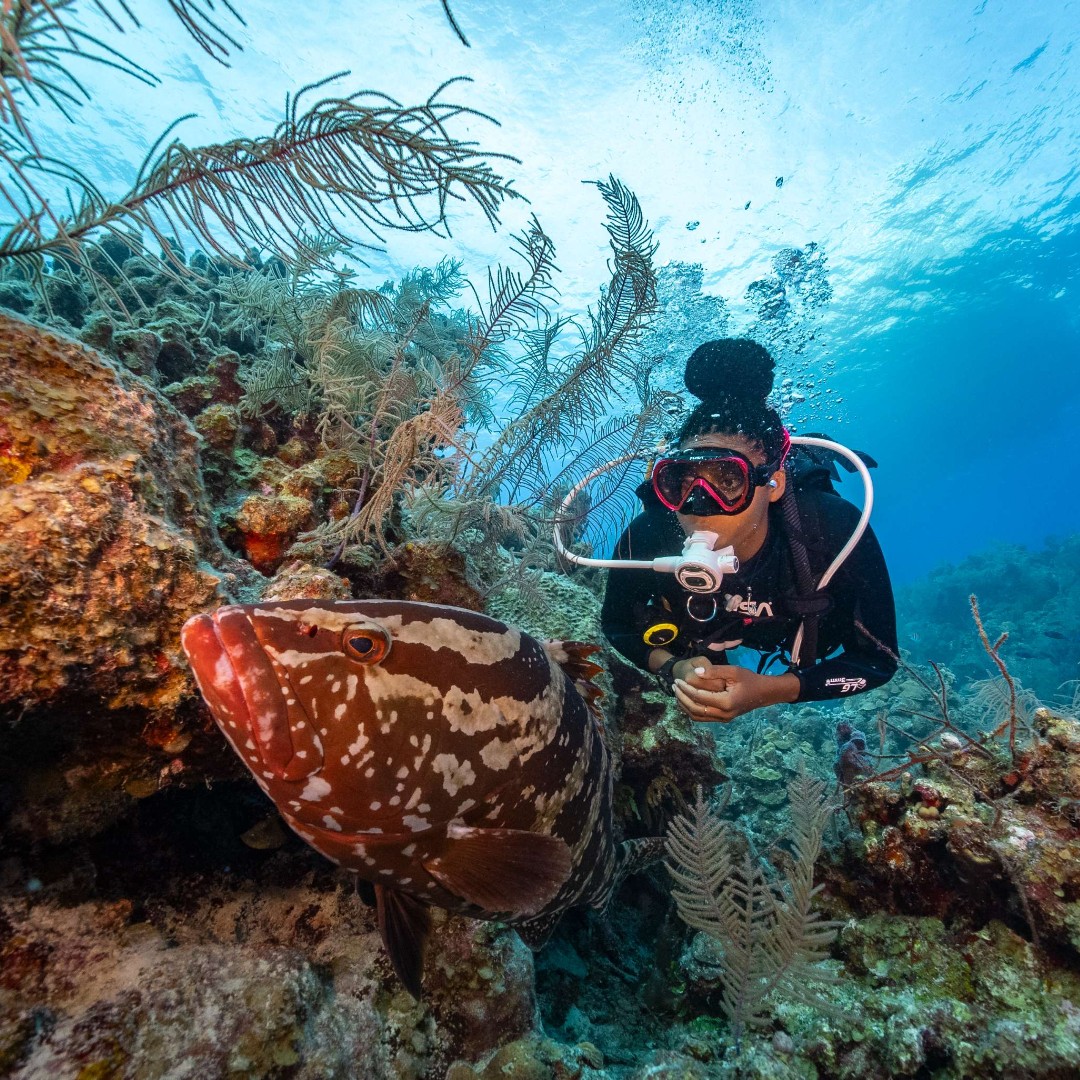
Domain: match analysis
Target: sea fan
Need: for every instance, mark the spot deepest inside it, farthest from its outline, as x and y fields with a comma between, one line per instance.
x=364, y=156
x=772, y=938
x=991, y=701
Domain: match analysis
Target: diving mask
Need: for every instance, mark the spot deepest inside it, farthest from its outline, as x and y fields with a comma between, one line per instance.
x=709, y=480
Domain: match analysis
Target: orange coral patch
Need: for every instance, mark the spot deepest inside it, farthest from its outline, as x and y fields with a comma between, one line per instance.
x=265, y=550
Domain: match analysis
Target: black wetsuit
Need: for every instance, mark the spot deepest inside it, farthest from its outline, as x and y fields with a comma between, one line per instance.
x=758, y=606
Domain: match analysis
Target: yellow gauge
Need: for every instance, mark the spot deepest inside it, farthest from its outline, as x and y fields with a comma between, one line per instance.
x=660, y=634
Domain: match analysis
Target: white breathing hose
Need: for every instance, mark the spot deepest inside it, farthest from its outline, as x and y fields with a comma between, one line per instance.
x=564, y=506
x=860, y=528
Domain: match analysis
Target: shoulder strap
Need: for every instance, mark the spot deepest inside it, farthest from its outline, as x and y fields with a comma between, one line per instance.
x=805, y=583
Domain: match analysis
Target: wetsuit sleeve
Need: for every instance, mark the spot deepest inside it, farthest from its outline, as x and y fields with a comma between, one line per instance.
x=861, y=594
x=628, y=591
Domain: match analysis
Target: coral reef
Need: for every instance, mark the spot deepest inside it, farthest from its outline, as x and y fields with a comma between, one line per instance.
x=915, y=999
x=151, y=907
x=150, y=911
x=106, y=547
x=272, y=965
x=107, y=538
x=665, y=756
x=978, y=838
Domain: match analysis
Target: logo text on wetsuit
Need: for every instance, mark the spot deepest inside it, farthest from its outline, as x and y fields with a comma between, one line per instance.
x=847, y=686
x=748, y=606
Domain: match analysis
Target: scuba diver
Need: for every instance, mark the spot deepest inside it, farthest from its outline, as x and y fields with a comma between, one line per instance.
x=795, y=570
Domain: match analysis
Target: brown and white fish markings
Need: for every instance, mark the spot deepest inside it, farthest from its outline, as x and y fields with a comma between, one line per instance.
x=438, y=753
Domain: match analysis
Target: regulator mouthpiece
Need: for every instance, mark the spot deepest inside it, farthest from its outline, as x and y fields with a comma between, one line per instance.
x=701, y=567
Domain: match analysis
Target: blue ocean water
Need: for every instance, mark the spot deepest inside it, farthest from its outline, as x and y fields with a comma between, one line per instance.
x=930, y=152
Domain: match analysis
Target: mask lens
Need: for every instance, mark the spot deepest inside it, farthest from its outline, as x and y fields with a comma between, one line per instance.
x=667, y=480
x=726, y=479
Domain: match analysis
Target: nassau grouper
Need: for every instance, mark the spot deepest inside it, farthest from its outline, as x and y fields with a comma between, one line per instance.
x=441, y=755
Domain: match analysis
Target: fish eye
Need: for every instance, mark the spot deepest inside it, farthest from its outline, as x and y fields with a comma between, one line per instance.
x=365, y=645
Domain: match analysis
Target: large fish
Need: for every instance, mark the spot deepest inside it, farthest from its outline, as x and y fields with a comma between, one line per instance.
x=438, y=753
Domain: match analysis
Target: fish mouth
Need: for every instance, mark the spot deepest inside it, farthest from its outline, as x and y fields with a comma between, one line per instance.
x=242, y=688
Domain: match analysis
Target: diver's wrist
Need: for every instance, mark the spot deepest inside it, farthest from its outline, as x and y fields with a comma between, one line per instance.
x=785, y=689
x=657, y=658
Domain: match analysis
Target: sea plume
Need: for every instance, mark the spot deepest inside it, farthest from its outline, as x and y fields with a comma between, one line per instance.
x=772, y=938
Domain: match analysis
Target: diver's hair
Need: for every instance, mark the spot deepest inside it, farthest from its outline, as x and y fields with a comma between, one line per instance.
x=733, y=377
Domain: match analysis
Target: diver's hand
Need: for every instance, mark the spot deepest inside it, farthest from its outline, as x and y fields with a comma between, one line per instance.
x=720, y=692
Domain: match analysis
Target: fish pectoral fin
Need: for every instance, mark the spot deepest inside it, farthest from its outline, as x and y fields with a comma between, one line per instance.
x=404, y=923
x=502, y=869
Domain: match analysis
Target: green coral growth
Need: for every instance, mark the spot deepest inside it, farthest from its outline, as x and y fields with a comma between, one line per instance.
x=931, y=1001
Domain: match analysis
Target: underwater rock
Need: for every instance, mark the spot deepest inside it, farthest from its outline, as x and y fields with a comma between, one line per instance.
x=219, y=384
x=665, y=756
x=17, y=296
x=105, y=528
x=286, y=502
x=106, y=547
x=431, y=574
x=97, y=332
x=176, y=358
x=63, y=299
x=911, y=997
x=219, y=425
x=978, y=838
x=534, y=1058
x=546, y=604
x=923, y=1000
x=268, y=524
x=301, y=581
x=183, y=330
x=271, y=975
x=137, y=350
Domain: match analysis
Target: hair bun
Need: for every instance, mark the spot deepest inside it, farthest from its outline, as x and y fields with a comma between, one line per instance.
x=734, y=368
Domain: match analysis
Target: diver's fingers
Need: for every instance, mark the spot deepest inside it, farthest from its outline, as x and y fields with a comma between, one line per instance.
x=708, y=694
x=701, y=673
x=687, y=700
x=704, y=676
x=701, y=705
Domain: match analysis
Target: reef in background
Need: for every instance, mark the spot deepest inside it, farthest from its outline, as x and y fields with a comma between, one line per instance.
x=1035, y=602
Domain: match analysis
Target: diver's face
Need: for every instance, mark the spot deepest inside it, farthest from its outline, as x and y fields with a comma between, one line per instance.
x=745, y=531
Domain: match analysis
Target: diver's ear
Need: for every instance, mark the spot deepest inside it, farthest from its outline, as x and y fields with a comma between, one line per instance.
x=777, y=485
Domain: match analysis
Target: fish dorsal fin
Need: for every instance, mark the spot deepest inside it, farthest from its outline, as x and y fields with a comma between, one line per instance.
x=537, y=932
x=573, y=658
x=404, y=922
x=502, y=869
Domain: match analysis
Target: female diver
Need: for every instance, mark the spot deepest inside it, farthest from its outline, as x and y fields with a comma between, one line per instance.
x=734, y=475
